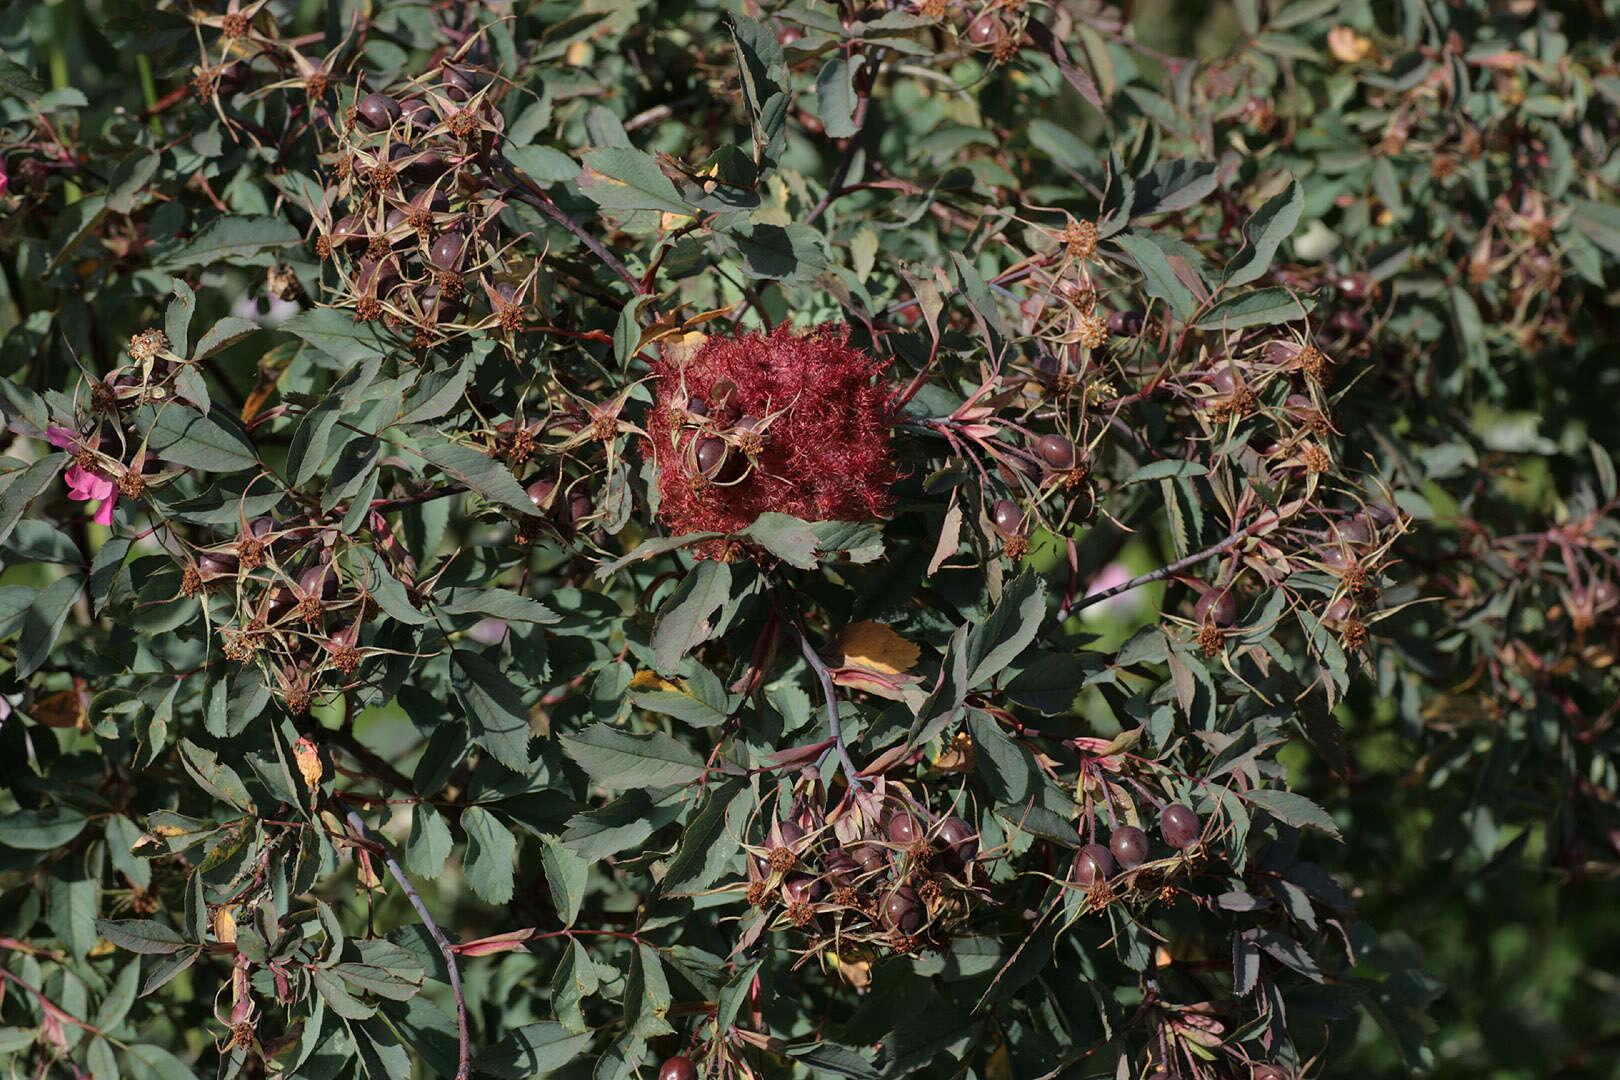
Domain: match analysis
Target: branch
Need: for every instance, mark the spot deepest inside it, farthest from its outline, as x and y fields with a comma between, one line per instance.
x=464, y=1057
x=791, y=620
x=835, y=187
x=528, y=191
x=1158, y=575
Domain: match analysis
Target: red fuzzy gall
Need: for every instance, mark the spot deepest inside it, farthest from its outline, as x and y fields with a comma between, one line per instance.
x=805, y=424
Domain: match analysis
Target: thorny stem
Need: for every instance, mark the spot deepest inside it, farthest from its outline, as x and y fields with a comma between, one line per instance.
x=790, y=619
x=464, y=1056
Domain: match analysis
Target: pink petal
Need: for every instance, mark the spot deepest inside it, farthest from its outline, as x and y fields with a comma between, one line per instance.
x=61, y=437
x=83, y=484
x=104, y=512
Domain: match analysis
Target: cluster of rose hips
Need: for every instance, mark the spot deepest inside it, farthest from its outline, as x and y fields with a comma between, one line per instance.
x=295, y=611
x=1129, y=847
x=411, y=220
x=899, y=879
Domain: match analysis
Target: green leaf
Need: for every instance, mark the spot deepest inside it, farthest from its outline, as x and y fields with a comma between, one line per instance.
x=129, y=178
x=532, y=1050
x=73, y=227
x=337, y=334
x=184, y=436
x=683, y=621
x=159, y=1062
x=1164, y=470
x=43, y=621
x=1009, y=771
x=835, y=98
x=495, y=604
x=764, y=76
x=238, y=240
x=219, y=779
x=981, y=303
x=1173, y=185
x=1599, y=223
x=649, y=549
x=495, y=713
x=430, y=842
x=140, y=936
x=791, y=253
x=625, y=179
x=1161, y=280
x=223, y=334
x=491, y=848
x=619, y=826
x=1263, y=307
x=1264, y=232
x=337, y=996
x=40, y=830
x=19, y=487
x=646, y=995
x=19, y=82
x=617, y=758
x=1291, y=809
x=704, y=852
x=574, y=980
x=1008, y=630
x=177, y=317
x=481, y=473
x=565, y=875
x=789, y=539
x=117, y=1002
x=435, y=393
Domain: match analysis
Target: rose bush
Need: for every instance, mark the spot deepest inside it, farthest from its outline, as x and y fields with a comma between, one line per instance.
x=607, y=520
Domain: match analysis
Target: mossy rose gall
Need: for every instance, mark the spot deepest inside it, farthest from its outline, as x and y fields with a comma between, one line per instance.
x=789, y=423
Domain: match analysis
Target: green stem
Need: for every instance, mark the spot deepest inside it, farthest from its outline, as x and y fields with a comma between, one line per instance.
x=149, y=91
x=62, y=19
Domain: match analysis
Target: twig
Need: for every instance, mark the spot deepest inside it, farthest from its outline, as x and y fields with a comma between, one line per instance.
x=835, y=187
x=1160, y=574
x=464, y=1056
x=791, y=620
x=530, y=192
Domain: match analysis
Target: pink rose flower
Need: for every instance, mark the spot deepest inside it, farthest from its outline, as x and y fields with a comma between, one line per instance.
x=84, y=485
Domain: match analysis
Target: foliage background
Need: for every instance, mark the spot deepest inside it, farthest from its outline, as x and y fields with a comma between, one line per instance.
x=1477, y=815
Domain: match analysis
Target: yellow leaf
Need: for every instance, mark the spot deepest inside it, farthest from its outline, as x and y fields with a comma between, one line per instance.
x=873, y=646
x=957, y=756
x=651, y=680
x=309, y=762
x=224, y=925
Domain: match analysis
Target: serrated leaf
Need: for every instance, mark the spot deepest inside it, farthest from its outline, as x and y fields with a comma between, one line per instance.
x=1008, y=630
x=1263, y=307
x=620, y=759
x=223, y=334
x=683, y=620
x=704, y=852
x=490, y=850
x=626, y=179
x=140, y=936
x=565, y=874
x=481, y=473
x=233, y=239
x=495, y=713
x=1264, y=233
x=532, y=1050
x=835, y=98
x=1292, y=809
